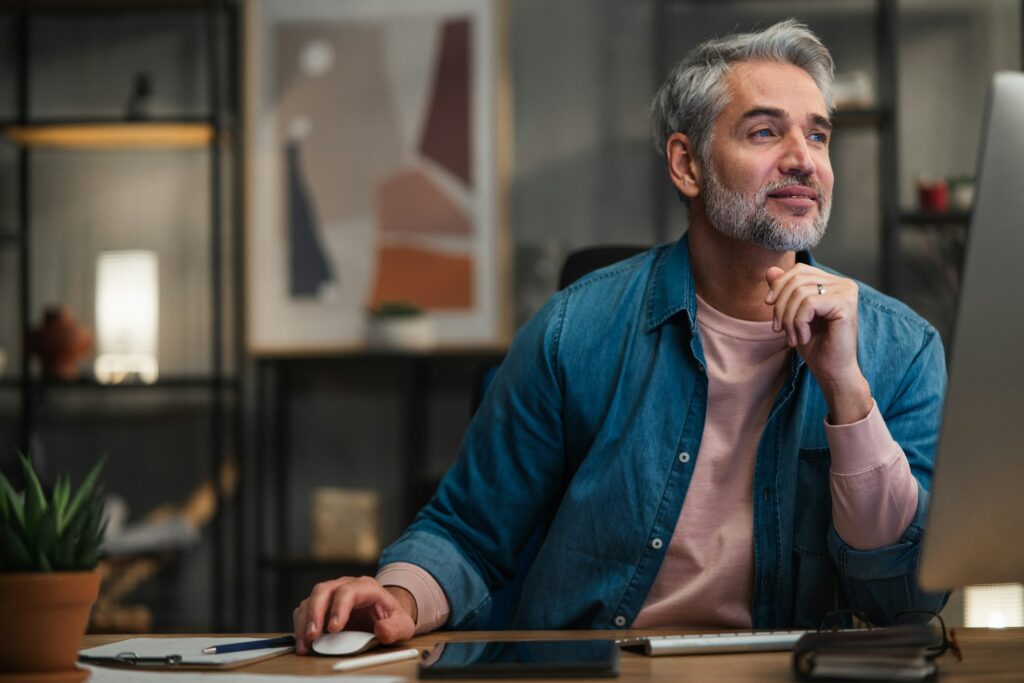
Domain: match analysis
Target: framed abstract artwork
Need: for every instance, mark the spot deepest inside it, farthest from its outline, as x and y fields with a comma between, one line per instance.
x=376, y=138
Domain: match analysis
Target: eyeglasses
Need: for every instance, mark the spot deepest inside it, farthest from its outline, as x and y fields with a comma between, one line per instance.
x=840, y=618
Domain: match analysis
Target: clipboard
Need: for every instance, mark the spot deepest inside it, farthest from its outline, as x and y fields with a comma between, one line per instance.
x=180, y=654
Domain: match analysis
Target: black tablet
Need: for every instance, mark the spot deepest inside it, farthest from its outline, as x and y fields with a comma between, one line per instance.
x=523, y=659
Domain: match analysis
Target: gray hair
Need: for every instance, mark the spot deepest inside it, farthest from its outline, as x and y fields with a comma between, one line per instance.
x=695, y=92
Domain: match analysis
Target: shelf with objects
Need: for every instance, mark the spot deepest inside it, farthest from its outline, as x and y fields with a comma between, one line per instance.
x=123, y=235
x=932, y=243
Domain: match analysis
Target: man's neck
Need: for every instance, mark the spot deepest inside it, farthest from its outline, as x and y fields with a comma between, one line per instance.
x=730, y=273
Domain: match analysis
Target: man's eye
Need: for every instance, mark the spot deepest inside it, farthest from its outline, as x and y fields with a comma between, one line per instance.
x=763, y=133
x=819, y=137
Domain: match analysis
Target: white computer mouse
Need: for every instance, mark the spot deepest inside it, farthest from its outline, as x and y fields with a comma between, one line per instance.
x=344, y=643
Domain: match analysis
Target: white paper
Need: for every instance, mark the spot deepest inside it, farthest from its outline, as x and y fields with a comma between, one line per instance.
x=190, y=649
x=104, y=675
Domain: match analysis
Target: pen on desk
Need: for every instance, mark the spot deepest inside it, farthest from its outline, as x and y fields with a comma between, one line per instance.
x=283, y=641
x=373, y=660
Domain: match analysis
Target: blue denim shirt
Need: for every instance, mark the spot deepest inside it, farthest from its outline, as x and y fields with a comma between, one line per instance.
x=581, y=433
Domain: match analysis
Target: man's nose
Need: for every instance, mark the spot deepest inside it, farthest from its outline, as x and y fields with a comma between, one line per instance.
x=796, y=158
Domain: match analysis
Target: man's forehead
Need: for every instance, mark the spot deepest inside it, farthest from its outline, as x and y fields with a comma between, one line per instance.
x=772, y=85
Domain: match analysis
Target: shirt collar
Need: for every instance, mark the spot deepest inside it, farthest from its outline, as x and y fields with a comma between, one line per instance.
x=672, y=288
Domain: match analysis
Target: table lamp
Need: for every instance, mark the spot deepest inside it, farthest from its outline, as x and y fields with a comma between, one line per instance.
x=127, y=313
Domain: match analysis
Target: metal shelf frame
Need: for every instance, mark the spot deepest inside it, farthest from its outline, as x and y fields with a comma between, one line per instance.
x=221, y=19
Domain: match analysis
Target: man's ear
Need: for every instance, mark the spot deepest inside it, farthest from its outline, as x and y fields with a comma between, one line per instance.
x=683, y=169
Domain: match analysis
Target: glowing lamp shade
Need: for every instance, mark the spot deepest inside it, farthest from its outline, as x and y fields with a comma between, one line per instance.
x=994, y=605
x=127, y=311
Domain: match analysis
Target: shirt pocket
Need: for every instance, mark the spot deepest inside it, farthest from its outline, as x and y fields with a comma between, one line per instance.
x=814, y=572
x=813, y=513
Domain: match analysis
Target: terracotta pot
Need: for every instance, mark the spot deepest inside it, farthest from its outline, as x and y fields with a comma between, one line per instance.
x=43, y=616
x=59, y=343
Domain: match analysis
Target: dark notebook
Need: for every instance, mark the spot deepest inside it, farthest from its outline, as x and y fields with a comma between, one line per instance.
x=895, y=653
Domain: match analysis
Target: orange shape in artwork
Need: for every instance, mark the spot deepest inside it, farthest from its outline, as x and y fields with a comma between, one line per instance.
x=446, y=134
x=423, y=277
x=410, y=202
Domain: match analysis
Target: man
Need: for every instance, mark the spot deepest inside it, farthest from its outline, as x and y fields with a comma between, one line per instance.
x=717, y=433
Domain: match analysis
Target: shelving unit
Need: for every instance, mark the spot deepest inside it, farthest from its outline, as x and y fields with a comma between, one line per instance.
x=211, y=132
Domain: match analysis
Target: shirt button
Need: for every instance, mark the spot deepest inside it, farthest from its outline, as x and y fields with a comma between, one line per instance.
x=684, y=457
x=620, y=620
x=656, y=544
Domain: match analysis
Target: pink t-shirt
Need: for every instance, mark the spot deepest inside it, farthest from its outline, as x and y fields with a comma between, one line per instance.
x=706, y=578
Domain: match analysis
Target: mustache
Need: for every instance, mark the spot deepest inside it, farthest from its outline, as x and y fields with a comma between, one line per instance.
x=782, y=183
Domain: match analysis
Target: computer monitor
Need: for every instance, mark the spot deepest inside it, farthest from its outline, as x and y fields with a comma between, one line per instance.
x=975, y=530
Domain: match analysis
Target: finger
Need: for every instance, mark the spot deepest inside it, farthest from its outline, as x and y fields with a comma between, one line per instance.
x=318, y=601
x=332, y=620
x=803, y=306
x=803, y=300
x=299, y=620
x=803, y=318
x=788, y=300
x=773, y=274
x=777, y=281
x=361, y=593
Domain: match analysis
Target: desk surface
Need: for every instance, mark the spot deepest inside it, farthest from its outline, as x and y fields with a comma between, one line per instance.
x=989, y=655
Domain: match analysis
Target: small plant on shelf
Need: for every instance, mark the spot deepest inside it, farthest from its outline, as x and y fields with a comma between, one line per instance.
x=400, y=325
x=396, y=309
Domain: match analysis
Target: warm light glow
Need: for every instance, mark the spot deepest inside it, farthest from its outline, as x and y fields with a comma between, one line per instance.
x=998, y=605
x=127, y=307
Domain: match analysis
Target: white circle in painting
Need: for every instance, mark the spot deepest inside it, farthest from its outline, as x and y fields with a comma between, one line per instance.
x=316, y=58
x=299, y=128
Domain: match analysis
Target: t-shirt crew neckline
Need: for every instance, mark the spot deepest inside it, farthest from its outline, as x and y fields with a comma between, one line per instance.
x=751, y=330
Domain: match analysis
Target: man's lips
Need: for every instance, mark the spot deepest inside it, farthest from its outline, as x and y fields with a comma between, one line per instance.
x=797, y=193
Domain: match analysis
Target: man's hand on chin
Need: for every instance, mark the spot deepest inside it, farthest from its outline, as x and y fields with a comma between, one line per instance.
x=818, y=312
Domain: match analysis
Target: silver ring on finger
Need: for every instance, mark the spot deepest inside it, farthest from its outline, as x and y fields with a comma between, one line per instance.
x=821, y=288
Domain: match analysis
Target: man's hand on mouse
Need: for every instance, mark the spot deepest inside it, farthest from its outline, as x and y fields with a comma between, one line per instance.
x=356, y=604
x=818, y=312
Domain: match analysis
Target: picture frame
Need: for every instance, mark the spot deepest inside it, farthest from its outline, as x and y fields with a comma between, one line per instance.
x=377, y=144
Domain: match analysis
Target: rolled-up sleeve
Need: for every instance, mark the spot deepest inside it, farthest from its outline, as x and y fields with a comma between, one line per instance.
x=874, y=494
x=431, y=605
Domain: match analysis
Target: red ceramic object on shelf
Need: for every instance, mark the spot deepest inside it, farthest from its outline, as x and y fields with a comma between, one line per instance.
x=59, y=342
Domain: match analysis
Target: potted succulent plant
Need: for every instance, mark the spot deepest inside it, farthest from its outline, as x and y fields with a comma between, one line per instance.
x=401, y=325
x=49, y=545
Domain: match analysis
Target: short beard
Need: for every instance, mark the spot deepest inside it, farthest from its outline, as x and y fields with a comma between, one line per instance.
x=746, y=217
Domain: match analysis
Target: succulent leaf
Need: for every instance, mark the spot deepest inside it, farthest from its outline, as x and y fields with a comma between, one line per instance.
x=35, y=501
x=46, y=535
x=85, y=489
x=5, y=513
x=61, y=494
x=16, y=555
x=14, y=503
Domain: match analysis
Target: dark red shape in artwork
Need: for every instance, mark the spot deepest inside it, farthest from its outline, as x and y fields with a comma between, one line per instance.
x=446, y=135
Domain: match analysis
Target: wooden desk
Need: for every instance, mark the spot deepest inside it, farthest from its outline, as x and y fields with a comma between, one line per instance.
x=989, y=655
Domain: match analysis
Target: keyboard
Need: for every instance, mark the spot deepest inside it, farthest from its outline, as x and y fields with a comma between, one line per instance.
x=713, y=643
